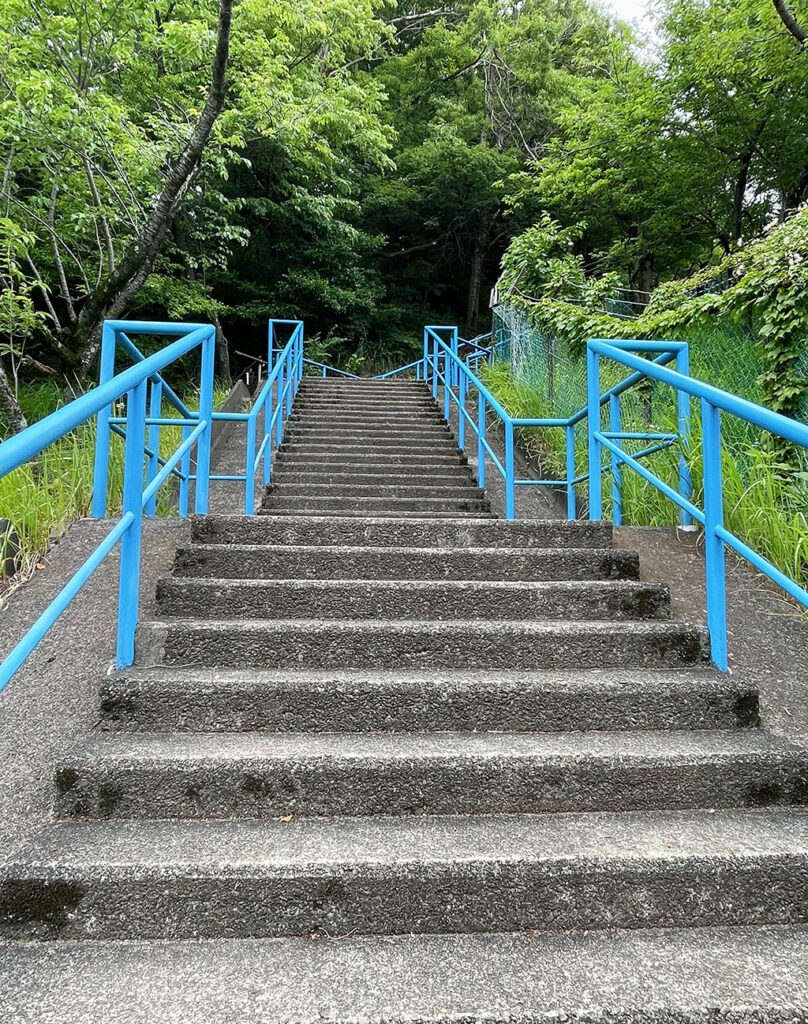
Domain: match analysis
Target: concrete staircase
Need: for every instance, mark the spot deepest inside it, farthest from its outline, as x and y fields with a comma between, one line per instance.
x=476, y=759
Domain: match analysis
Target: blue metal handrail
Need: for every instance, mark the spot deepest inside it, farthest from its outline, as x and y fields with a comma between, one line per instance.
x=711, y=517
x=130, y=384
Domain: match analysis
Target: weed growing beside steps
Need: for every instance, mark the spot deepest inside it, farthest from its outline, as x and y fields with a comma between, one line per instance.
x=766, y=501
x=41, y=499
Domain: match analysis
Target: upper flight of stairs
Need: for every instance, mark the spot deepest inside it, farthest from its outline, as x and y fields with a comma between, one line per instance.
x=477, y=759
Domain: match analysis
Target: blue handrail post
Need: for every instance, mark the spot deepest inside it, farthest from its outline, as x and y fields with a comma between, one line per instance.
x=615, y=427
x=185, y=470
x=202, y=489
x=713, y=544
x=453, y=345
x=569, y=432
x=683, y=425
x=279, y=408
x=249, y=465
x=593, y=425
x=290, y=383
x=426, y=355
x=129, y=582
x=152, y=460
x=434, y=367
x=448, y=373
x=510, y=496
x=480, y=439
x=102, y=430
x=461, y=409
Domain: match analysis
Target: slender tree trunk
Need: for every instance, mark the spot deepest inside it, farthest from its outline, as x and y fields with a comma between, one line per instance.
x=9, y=406
x=790, y=22
x=222, y=350
x=476, y=274
x=111, y=299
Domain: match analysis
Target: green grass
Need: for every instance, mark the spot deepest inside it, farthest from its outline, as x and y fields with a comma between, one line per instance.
x=42, y=498
x=765, y=498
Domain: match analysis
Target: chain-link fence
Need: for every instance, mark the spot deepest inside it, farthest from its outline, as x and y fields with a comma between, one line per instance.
x=547, y=377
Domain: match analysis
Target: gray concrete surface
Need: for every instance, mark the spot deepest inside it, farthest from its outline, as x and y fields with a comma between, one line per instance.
x=251, y=878
x=692, y=976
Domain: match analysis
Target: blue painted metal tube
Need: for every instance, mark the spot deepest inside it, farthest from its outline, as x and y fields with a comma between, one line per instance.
x=683, y=426
x=102, y=432
x=593, y=426
x=152, y=463
x=185, y=473
x=569, y=448
x=713, y=543
x=119, y=432
x=617, y=470
x=17, y=656
x=29, y=442
x=202, y=489
x=249, y=467
x=763, y=565
x=129, y=577
x=622, y=435
x=480, y=439
x=510, y=496
x=237, y=417
x=764, y=418
x=163, y=421
x=652, y=478
x=278, y=416
x=478, y=384
x=157, y=482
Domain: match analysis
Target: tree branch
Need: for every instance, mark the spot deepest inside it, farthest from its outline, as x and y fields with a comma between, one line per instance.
x=790, y=22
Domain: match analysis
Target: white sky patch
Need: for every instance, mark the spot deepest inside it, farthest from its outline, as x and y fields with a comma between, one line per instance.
x=640, y=13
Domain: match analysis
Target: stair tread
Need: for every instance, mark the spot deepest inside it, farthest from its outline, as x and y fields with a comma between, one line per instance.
x=245, y=848
x=690, y=745
x=660, y=976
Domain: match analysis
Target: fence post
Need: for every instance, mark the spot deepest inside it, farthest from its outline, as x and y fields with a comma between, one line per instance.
x=713, y=544
x=592, y=426
x=510, y=487
x=569, y=432
x=683, y=425
x=434, y=368
x=202, y=490
x=153, y=461
x=454, y=346
x=129, y=573
x=279, y=407
x=615, y=420
x=448, y=372
x=102, y=430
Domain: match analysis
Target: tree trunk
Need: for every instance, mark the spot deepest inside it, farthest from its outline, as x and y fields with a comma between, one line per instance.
x=111, y=299
x=476, y=274
x=9, y=406
x=222, y=354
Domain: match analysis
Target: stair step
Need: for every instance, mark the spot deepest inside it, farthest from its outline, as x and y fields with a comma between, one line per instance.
x=255, y=775
x=451, y=514
x=203, y=879
x=409, y=490
x=668, y=976
x=370, y=643
x=379, y=449
x=319, y=700
x=289, y=561
x=368, y=503
x=501, y=533
x=418, y=476
x=410, y=599
x=415, y=404
x=368, y=461
x=362, y=416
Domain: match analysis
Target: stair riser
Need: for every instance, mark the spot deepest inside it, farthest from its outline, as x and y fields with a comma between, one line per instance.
x=405, y=437
x=373, y=406
x=381, y=449
x=367, y=503
x=324, y=787
x=348, y=644
x=364, y=416
x=413, y=489
x=162, y=705
x=389, y=563
x=546, y=534
x=373, y=600
x=412, y=898
x=369, y=463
